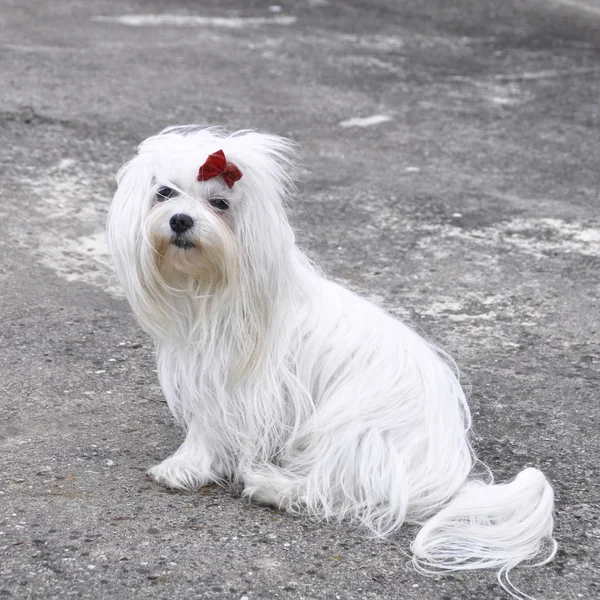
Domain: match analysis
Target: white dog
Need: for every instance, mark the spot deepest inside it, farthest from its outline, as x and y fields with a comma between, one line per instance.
x=315, y=399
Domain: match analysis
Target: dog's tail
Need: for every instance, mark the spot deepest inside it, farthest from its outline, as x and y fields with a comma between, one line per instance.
x=490, y=526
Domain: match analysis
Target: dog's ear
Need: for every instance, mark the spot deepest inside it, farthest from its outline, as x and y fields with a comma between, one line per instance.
x=124, y=228
x=129, y=207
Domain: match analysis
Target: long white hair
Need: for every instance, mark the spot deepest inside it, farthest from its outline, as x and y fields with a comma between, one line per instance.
x=316, y=400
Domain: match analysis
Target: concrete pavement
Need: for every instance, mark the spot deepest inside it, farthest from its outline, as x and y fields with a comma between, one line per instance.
x=450, y=169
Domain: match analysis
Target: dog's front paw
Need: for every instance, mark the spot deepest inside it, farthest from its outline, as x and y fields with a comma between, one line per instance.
x=177, y=472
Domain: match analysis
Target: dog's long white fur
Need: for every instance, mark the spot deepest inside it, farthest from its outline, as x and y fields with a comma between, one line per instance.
x=315, y=399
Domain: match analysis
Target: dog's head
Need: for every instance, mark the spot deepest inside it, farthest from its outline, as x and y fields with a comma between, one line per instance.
x=200, y=210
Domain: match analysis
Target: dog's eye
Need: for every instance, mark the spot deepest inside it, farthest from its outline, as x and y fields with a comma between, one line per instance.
x=219, y=203
x=164, y=193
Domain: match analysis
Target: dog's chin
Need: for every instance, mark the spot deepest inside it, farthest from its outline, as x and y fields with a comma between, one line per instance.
x=182, y=258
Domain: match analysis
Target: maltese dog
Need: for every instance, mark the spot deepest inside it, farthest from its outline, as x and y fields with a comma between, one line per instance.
x=314, y=399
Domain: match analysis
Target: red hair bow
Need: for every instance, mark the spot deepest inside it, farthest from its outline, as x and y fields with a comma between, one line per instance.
x=216, y=165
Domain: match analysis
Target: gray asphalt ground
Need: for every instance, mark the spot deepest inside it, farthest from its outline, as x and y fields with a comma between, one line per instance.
x=473, y=211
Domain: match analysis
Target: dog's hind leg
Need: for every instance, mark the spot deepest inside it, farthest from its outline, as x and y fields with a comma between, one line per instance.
x=342, y=474
x=276, y=486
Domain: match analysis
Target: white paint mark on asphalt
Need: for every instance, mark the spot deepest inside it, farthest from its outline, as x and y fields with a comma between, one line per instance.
x=365, y=121
x=73, y=208
x=502, y=101
x=66, y=164
x=195, y=21
x=82, y=259
x=547, y=74
x=412, y=169
x=590, y=7
x=369, y=63
x=480, y=312
x=536, y=237
x=375, y=42
x=504, y=94
x=526, y=76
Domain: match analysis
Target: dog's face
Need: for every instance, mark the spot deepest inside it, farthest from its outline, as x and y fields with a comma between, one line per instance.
x=190, y=224
x=172, y=226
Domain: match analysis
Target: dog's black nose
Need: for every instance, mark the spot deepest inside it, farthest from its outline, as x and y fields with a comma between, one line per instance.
x=181, y=223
